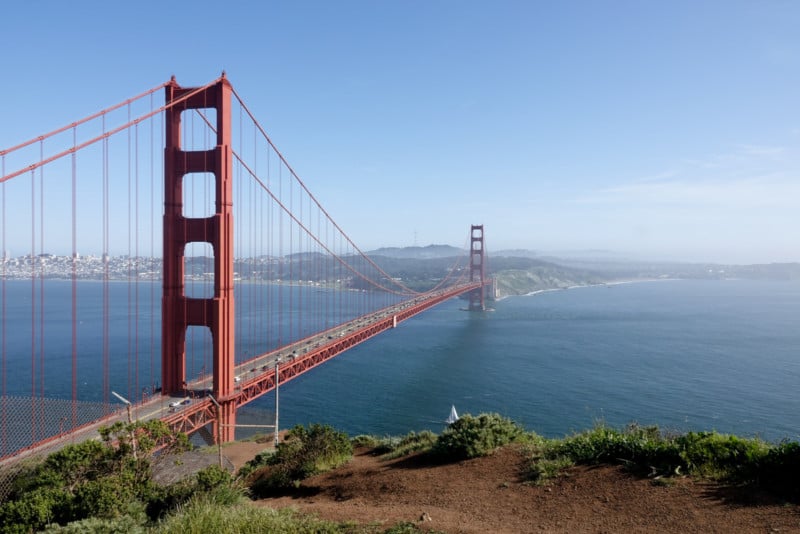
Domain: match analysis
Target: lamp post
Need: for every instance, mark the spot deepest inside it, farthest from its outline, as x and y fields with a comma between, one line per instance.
x=277, y=381
x=130, y=421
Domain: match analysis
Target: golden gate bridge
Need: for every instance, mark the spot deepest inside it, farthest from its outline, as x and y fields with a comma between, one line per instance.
x=258, y=284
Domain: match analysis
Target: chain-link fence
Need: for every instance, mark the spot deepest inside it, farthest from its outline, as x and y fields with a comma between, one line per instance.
x=34, y=427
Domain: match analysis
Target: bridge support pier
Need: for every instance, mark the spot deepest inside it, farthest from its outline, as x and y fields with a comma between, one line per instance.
x=477, y=271
x=223, y=429
x=178, y=310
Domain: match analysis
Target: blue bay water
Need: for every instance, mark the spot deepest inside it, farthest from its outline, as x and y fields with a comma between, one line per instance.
x=682, y=354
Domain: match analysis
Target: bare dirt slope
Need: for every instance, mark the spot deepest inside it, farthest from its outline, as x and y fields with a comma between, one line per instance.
x=488, y=495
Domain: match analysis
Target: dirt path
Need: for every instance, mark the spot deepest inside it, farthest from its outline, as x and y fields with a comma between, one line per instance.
x=488, y=495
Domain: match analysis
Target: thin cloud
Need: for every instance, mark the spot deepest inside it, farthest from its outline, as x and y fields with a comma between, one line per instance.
x=767, y=191
x=762, y=150
x=660, y=177
x=751, y=176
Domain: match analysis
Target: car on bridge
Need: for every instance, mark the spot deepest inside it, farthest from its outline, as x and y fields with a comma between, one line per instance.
x=179, y=402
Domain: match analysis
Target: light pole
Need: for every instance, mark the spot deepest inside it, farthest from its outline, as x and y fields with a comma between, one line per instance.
x=277, y=382
x=130, y=421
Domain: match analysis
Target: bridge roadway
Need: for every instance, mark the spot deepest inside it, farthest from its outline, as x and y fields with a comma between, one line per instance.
x=192, y=411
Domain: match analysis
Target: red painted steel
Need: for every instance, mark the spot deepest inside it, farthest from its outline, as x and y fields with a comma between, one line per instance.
x=477, y=270
x=178, y=310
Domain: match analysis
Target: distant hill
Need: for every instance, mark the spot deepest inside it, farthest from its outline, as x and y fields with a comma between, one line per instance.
x=522, y=271
x=418, y=253
x=514, y=253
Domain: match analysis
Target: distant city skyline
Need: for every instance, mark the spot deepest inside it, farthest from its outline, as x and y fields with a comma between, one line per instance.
x=665, y=131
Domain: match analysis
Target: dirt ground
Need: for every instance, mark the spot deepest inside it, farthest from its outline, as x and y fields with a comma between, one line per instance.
x=488, y=495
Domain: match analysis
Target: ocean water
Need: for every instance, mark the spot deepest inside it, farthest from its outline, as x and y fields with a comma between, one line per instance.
x=682, y=354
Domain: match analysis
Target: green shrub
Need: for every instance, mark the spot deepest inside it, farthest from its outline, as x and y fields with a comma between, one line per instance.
x=470, y=437
x=541, y=470
x=98, y=479
x=780, y=470
x=212, y=483
x=722, y=456
x=164, y=499
x=213, y=477
x=642, y=448
x=411, y=443
x=387, y=444
x=364, y=440
x=219, y=485
x=35, y=509
x=105, y=498
x=708, y=454
x=122, y=525
x=205, y=516
x=259, y=460
x=304, y=453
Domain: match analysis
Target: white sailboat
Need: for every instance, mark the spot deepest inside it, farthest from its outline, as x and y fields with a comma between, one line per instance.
x=453, y=417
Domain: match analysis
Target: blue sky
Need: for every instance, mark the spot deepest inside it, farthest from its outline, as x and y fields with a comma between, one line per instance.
x=667, y=130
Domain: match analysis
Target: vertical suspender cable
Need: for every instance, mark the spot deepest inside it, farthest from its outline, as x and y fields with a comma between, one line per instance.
x=254, y=230
x=41, y=292
x=329, y=295
x=280, y=259
x=33, y=306
x=152, y=252
x=136, y=264
x=301, y=307
x=249, y=258
x=320, y=323
x=272, y=311
x=74, y=281
x=262, y=327
x=3, y=333
x=291, y=262
x=129, y=262
x=238, y=230
x=106, y=288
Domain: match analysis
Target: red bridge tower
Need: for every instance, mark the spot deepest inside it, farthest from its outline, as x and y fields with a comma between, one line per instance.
x=477, y=269
x=179, y=311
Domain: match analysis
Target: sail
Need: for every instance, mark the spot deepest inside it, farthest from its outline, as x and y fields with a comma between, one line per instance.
x=453, y=417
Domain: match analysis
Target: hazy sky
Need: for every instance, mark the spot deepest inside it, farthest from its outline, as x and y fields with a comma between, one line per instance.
x=663, y=129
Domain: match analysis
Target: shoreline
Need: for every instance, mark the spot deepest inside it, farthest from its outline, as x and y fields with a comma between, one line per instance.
x=579, y=286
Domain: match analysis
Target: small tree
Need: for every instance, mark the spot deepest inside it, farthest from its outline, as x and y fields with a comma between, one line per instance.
x=89, y=479
x=470, y=437
x=304, y=453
